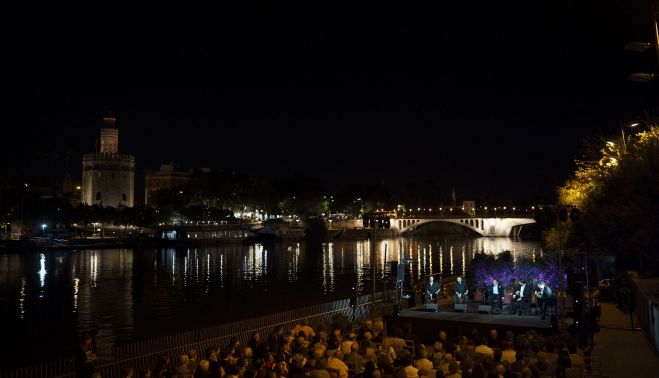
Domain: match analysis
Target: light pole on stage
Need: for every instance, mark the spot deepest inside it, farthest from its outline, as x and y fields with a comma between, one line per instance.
x=563, y=213
x=373, y=265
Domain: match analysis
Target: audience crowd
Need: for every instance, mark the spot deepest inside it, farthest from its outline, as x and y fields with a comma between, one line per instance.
x=364, y=351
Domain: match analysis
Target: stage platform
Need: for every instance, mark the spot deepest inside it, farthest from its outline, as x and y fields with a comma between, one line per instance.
x=427, y=324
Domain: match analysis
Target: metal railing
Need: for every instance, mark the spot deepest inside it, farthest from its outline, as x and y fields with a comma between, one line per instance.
x=59, y=368
x=145, y=354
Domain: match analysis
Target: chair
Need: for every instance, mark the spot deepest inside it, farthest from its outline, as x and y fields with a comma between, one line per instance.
x=478, y=296
x=507, y=302
x=526, y=306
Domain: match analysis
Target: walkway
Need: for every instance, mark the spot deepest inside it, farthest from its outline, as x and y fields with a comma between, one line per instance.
x=621, y=351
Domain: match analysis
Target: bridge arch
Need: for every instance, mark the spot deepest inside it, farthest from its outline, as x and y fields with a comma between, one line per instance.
x=482, y=226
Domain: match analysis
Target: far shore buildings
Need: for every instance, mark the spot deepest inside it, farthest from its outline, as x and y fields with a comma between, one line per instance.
x=165, y=178
x=108, y=177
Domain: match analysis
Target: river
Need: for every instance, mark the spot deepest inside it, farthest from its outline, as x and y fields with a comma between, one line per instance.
x=49, y=298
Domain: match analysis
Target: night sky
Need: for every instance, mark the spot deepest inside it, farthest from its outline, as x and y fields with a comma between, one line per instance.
x=493, y=100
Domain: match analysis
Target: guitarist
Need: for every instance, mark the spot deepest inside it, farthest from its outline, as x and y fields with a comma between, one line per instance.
x=522, y=296
x=545, y=297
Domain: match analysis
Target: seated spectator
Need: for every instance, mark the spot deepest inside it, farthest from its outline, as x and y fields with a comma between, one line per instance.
x=422, y=361
x=203, y=370
x=410, y=371
x=320, y=369
x=484, y=349
x=448, y=358
x=454, y=371
x=347, y=343
x=335, y=361
x=508, y=353
x=543, y=368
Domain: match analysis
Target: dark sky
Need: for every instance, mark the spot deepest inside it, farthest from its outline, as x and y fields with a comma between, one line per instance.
x=493, y=100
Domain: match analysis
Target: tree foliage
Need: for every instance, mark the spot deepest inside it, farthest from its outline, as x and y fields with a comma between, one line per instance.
x=617, y=190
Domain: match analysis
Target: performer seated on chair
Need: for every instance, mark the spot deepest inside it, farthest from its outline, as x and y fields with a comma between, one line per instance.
x=496, y=294
x=545, y=298
x=432, y=289
x=421, y=289
x=461, y=294
x=522, y=297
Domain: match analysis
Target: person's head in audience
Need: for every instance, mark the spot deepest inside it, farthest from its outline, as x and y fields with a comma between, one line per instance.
x=497, y=355
x=500, y=369
x=453, y=368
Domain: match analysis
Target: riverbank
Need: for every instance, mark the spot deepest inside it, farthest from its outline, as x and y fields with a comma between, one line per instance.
x=10, y=246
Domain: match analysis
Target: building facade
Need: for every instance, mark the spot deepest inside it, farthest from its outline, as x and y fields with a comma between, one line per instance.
x=108, y=177
x=469, y=207
x=165, y=178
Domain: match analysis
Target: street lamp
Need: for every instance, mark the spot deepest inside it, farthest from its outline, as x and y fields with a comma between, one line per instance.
x=643, y=47
x=634, y=126
x=43, y=228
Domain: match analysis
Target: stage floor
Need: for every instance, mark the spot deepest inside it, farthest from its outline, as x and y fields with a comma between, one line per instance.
x=427, y=324
x=479, y=318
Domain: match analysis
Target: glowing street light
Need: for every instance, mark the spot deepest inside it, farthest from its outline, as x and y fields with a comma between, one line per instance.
x=642, y=48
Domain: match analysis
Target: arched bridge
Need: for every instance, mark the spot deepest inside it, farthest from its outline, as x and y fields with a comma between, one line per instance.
x=483, y=226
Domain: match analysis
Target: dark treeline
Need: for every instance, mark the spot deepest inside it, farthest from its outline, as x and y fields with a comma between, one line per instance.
x=217, y=195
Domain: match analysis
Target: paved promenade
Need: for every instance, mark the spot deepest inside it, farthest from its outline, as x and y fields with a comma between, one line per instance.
x=621, y=351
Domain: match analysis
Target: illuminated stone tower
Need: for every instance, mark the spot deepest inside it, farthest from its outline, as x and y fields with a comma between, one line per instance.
x=108, y=177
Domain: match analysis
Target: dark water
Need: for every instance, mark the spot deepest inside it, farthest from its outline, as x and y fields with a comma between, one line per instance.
x=47, y=299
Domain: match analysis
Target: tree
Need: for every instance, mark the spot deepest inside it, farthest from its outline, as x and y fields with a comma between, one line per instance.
x=616, y=190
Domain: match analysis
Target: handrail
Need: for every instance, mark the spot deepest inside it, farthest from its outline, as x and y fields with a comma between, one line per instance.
x=144, y=352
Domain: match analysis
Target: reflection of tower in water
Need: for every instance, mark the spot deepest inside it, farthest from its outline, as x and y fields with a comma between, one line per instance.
x=328, y=268
x=359, y=264
x=101, y=301
x=293, y=262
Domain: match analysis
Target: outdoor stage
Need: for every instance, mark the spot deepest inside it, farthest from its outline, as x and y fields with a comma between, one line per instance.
x=427, y=324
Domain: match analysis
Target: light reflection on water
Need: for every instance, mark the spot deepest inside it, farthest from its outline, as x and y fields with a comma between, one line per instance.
x=127, y=294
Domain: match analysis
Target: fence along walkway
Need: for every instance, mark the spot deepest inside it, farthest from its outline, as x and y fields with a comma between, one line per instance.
x=145, y=353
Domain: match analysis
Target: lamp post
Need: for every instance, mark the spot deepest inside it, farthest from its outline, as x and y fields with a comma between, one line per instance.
x=373, y=275
x=622, y=133
x=560, y=303
x=642, y=47
x=572, y=213
x=23, y=210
